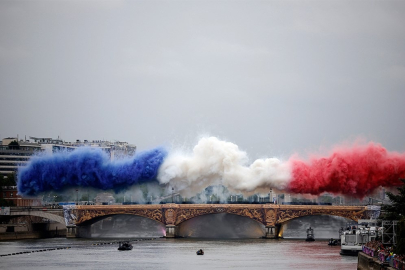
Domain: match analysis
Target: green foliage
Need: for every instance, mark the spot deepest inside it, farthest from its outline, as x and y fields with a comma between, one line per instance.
x=396, y=210
x=14, y=145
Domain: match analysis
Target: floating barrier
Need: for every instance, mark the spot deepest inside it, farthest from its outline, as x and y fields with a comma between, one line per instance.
x=59, y=248
x=38, y=250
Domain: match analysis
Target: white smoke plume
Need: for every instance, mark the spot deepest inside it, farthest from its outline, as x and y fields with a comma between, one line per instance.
x=215, y=162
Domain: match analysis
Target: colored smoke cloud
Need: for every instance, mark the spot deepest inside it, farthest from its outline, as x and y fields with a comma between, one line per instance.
x=354, y=171
x=216, y=162
x=87, y=167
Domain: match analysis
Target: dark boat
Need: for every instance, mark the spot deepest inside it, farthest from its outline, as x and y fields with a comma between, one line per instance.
x=333, y=242
x=310, y=235
x=125, y=246
x=200, y=252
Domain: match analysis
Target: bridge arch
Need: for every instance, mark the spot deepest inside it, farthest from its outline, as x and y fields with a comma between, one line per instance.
x=42, y=214
x=184, y=215
x=289, y=213
x=221, y=225
x=91, y=221
x=82, y=216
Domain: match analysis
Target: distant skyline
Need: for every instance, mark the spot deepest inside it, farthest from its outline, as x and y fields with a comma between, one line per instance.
x=274, y=77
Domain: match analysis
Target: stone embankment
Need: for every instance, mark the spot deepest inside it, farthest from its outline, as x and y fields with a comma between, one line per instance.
x=31, y=235
x=366, y=262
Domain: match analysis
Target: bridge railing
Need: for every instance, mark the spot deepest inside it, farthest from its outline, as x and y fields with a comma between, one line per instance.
x=31, y=208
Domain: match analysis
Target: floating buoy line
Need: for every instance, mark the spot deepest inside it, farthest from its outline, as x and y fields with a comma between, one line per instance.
x=94, y=244
x=33, y=251
x=123, y=240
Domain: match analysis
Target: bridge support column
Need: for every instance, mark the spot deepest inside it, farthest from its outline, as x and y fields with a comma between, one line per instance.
x=272, y=232
x=71, y=231
x=78, y=231
x=83, y=231
x=171, y=231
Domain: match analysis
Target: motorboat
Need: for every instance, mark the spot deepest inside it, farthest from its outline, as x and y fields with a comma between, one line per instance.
x=200, y=252
x=310, y=235
x=333, y=242
x=355, y=236
x=125, y=246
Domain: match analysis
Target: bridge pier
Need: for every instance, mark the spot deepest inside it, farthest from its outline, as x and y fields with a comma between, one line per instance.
x=83, y=231
x=71, y=231
x=78, y=231
x=171, y=231
x=272, y=231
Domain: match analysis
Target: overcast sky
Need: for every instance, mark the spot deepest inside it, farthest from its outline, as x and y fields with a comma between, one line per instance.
x=274, y=77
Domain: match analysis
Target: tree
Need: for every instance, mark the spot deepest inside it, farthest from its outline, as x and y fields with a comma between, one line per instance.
x=396, y=211
x=14, y=145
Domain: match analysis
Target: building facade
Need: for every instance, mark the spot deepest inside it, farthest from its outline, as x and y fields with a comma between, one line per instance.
x=15, y=153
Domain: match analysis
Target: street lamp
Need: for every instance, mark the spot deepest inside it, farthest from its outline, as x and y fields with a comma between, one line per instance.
x=172, y=193
x=270, y=195
x=77, y=197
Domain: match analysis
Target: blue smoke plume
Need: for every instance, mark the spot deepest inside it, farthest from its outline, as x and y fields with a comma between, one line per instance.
x=87, y=167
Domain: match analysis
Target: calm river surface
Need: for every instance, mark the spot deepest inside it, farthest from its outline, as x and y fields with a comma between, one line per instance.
x=175, y=254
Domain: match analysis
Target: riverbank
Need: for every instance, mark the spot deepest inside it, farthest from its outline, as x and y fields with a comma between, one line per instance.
x=31, y=235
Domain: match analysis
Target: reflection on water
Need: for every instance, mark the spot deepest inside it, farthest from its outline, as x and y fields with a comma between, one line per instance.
x=221, y=225
x=325, y=227
x=253, y=253
x=127, y=226
x=177, y=254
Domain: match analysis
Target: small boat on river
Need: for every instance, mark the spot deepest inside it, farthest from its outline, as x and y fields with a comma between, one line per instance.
x=333, y=242
x=310, y=235
x=125, y=246
x=200, y=252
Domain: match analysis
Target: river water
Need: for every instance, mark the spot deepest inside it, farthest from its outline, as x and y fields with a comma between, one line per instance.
x=229, y=242
x=175, y=254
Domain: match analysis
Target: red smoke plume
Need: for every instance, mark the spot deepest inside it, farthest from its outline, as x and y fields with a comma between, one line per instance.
x=357, y=171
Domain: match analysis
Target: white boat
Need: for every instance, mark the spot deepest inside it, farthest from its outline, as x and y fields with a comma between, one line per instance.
x=355, y=236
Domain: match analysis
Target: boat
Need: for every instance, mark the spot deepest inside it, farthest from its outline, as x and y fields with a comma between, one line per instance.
x=310, y=235
x=356, y=235
x=333, y=242
x=200, y=252
x=125, y=246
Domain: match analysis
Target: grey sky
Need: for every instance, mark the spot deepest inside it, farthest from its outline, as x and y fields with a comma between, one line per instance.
x=274, y=77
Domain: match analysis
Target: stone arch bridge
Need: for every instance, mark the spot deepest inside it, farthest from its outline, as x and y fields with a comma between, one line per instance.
x=79, y=218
